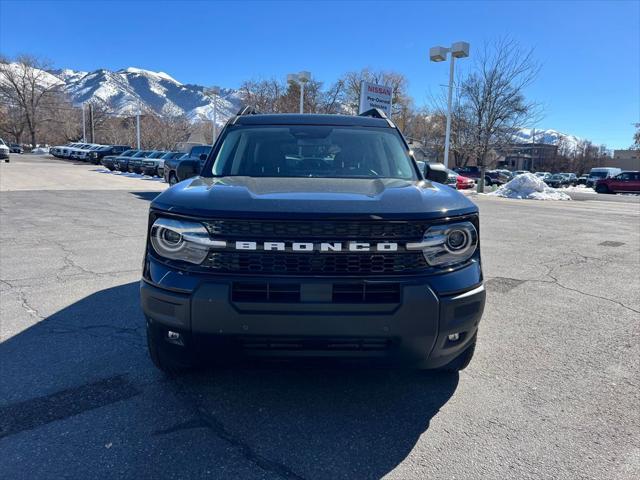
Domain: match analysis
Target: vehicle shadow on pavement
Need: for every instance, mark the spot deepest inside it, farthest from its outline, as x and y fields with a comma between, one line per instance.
x=82, y=375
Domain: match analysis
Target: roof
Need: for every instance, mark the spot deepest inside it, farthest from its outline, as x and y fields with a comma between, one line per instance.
x=310, y=119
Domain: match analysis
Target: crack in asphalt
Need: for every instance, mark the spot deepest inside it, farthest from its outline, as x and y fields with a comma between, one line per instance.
x=203, y=419
x=24, y=303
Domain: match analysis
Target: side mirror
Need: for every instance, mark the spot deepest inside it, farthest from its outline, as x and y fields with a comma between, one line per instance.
x=203, y=157
x=187, y=169
x=436, y=172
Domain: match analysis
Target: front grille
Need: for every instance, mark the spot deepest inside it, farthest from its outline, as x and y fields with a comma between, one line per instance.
x=315, y=263
x=353, y=292
x=265, y=292
x=258, y=343
x=317, y=230
x=366, y=293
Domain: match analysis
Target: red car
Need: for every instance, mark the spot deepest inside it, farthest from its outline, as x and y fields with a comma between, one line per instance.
x=625, y=182
x=462, y=183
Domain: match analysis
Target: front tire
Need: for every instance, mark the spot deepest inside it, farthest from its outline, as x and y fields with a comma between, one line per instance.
x=462, y=361
x=173, y=179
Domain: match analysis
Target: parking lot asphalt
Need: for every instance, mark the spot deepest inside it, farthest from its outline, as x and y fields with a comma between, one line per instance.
x=553, y=391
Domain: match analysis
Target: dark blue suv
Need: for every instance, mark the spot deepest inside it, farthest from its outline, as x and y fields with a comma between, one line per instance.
x=312, y=236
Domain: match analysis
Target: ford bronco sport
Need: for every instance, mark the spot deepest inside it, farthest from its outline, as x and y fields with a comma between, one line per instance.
x=312, y=236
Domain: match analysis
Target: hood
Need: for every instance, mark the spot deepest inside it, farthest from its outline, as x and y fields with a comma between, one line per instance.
x=238, y=197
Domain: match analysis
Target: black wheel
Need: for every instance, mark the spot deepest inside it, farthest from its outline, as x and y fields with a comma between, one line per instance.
x=602, y=189
x=171, y=359
x=173, y=179
x=462, y=361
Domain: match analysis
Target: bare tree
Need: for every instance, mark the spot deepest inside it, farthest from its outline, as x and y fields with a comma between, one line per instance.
x=493, y=94
x=265, y=95
x=12, y=122
x=27, y=85
x=636, y=138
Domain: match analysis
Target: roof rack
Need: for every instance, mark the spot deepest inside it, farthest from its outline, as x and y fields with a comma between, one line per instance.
x=375, y=113
x=248, y=110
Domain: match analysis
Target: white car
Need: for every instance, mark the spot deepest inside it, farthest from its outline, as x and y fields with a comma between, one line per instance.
x=84, y=153
x=75, y=153
x=62, y=151
x=4, y=151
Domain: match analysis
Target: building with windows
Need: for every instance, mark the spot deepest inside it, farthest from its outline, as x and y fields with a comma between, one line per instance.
x=527, y=156
x=624, y=159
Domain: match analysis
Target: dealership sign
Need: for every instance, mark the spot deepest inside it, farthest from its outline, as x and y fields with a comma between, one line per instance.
x=375, y=96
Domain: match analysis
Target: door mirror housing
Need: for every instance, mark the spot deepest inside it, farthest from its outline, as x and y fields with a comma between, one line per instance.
x=187, y=169
x=436, y=172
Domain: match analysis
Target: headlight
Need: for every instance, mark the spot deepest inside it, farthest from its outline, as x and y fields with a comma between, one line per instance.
x=148, y=164
x=446, y=245
x=182, y=240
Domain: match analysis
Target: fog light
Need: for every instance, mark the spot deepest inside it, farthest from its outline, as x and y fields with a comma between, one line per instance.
x=175, y=338
x=454, y=337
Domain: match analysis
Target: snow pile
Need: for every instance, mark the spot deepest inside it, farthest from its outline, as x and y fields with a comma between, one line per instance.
x=529, y=186
x=40, y=151
x=580, y=188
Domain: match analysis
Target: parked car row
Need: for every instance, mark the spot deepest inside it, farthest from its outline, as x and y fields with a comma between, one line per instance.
x=491, y=177
x=89, y=152
x=164, y=164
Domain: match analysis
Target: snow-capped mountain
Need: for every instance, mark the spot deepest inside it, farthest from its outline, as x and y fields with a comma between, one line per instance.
x=126, y=91
x=551, y=137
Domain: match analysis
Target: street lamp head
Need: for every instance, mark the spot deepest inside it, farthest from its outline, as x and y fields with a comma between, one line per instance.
x=438, y=54
x=304, y=76
x=292, y=78
x=460, y=49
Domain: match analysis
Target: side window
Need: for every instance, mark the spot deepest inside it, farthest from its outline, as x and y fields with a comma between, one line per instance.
x=624, y=176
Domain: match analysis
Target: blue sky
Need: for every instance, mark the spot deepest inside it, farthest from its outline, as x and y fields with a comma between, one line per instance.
x=589, y=84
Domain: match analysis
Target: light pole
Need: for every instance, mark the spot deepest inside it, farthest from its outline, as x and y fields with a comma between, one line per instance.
x=138, y=127
x=439, y=54
x=215, y=91
x=300, y=78
x=84, y=126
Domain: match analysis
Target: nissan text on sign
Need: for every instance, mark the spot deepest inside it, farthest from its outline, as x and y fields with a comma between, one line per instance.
x=375, y=96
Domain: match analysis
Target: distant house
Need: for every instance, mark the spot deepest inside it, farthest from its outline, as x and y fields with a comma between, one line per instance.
x=423, y=153
x=527, y=156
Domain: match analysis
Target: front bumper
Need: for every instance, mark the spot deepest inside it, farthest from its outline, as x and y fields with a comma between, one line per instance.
x=411, y=331
x=4, y=155
x=151, y=171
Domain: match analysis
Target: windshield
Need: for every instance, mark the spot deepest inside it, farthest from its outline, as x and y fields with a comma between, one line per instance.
x=599, y=174
x=314, y=151
x=156, y=154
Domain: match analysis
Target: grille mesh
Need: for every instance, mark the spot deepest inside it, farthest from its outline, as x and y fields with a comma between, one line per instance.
x=315, y=263
x=312, y=230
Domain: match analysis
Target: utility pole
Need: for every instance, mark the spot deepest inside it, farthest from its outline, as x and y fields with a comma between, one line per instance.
x=93, y=133
x=84, y=125
x=533, y=147
x=214, y=91
x=138, y=128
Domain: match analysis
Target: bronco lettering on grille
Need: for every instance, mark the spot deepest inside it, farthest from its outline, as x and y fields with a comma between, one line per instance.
x=324, y=247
